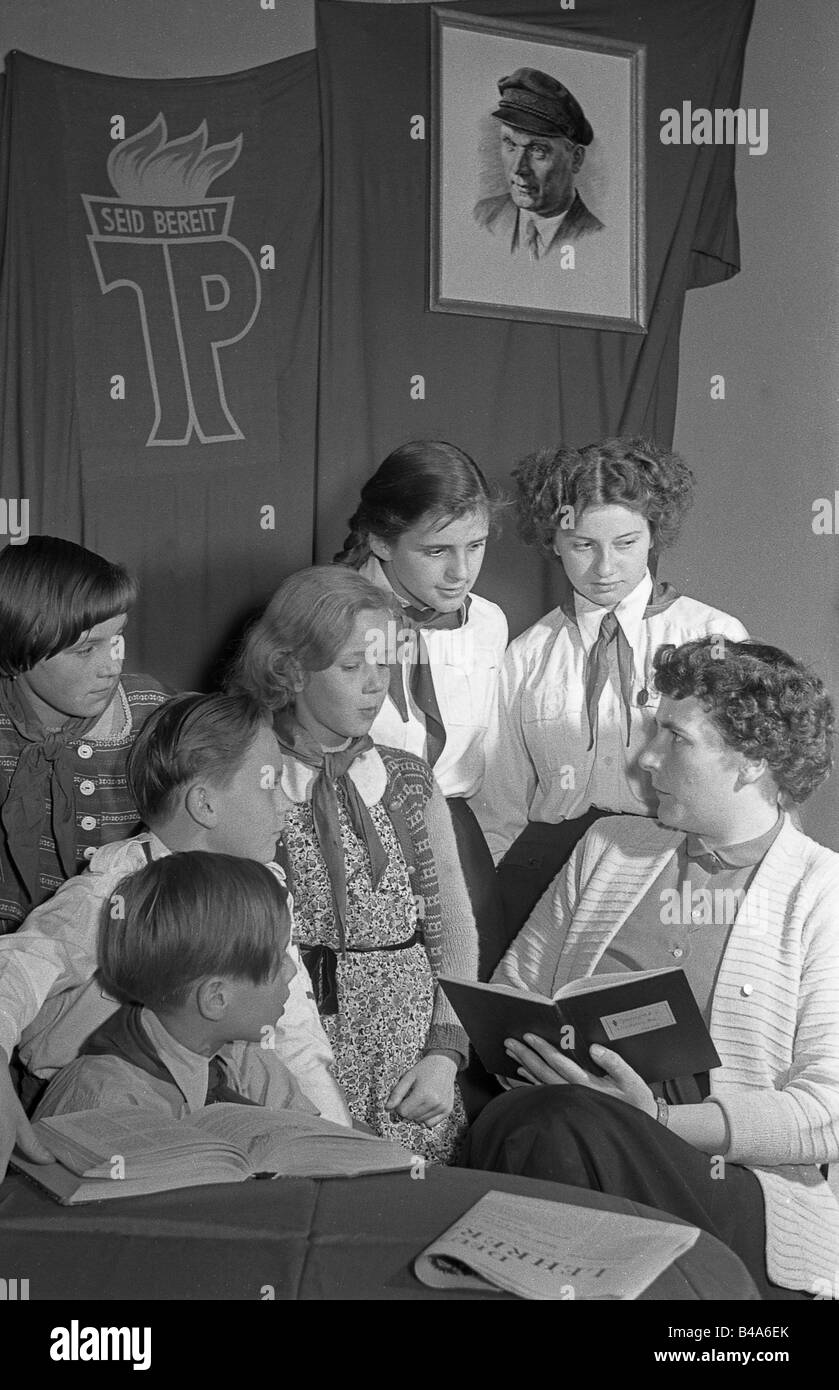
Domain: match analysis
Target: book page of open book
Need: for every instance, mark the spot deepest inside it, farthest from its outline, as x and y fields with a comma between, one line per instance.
x=295, y=1143
x=548, y=1250
x=614, y=977
x=85, y=1141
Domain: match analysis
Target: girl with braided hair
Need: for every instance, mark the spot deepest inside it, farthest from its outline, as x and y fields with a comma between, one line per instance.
x=576, y=699
x=419, y=534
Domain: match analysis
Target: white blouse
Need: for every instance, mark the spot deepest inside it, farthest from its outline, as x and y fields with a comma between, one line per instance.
x=465, y=665
x=538, y=764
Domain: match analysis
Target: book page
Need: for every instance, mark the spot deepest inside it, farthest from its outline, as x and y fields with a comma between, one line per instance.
x=252, y=1126
x=549, y=1250
x=613, y=977
x=85, y=1141
x=293, y=1142
x=510, y=990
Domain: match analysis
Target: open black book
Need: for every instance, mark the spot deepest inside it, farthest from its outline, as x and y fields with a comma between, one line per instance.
x=649, y=1017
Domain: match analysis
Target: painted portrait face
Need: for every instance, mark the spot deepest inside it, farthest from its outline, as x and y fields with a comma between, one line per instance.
x=540, y=170
x=342, y=701
x=435, y=564
x=605, y=554
x=79, y=682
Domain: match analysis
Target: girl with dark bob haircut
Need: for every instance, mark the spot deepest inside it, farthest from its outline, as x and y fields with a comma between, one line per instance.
x=576, y=695
x=380, y=904
x=67, y=719
x=419, y=533
x=764, y=704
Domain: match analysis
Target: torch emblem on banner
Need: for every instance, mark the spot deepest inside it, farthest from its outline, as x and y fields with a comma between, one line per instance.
x=198, y=289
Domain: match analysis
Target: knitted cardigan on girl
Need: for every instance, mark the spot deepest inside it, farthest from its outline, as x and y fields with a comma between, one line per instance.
x=104, y=810
x=421, y=821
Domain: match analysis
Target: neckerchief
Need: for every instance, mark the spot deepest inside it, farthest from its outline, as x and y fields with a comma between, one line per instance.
x=420, y=676
x=123, y=1035
x=333, y=772
x=663, y=596
x=43, y=776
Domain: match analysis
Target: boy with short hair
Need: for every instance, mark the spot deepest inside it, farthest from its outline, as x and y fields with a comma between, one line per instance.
x=200, y=992
x=205, y=773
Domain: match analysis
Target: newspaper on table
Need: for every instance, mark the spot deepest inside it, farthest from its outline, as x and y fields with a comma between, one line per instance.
x=549, y=1250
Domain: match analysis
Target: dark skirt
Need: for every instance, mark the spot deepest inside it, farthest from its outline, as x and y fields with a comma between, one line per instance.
x=575, y=1135
x=479, y=872
x=532, y=863
x=476, y=1085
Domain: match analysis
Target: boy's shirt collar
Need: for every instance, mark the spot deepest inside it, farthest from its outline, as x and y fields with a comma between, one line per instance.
x=189, y=1069
x=159, y=850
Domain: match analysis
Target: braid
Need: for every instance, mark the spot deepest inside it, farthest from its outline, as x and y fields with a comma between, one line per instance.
x=356, y=548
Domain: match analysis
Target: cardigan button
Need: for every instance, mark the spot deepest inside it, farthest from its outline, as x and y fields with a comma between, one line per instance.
x=90, y=851
x=746, y=990
x=88, y=822
x=84, y=750
x=87, y=788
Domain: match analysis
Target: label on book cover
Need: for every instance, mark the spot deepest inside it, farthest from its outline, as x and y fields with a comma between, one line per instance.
x=631, y=1022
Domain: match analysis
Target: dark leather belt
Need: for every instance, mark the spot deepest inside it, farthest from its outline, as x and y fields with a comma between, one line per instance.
x=321, y=961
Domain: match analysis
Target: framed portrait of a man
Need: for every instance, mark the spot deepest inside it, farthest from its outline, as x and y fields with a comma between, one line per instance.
x=537, y=174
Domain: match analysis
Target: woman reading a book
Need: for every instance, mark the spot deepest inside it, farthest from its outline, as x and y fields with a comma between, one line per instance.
x=67, y=717
x=741, y=734
x=419, y=534
x=380, y=903
x=576, y=698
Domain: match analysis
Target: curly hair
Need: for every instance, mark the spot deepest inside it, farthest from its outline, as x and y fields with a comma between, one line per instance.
x=425, y=480
x=303, y=628
x=631, y=473
x=763, y=702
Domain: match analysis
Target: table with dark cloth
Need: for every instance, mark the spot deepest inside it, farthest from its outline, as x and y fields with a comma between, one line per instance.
x=293, y=1238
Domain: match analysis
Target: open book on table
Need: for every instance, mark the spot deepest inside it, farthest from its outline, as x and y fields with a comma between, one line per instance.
x=551, y=1250
x=127, y=1152
x=650, y=1017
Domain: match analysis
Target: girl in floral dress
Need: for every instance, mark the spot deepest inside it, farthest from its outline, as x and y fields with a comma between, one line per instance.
x=381, y=907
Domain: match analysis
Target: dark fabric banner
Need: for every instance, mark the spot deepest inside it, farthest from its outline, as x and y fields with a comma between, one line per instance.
x=159, y=310
x=500, y=388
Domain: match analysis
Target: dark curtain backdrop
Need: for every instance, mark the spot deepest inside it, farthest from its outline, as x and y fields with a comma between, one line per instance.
x=318, y=387
x=188, y=516
x=500, y=388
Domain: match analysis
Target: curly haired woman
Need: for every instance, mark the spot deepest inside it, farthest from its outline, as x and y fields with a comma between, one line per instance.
x=743, y=732
x=577, y=700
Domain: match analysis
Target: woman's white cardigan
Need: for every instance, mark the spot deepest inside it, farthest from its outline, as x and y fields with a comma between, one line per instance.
x=774, y=1019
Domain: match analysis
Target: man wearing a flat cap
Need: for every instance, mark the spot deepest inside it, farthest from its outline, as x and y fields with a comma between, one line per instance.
x=544, y=134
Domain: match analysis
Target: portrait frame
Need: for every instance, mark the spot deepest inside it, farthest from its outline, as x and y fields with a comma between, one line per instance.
x=596, y=277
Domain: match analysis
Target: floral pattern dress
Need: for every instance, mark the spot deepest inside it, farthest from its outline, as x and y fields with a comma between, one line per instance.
x=385, y=997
